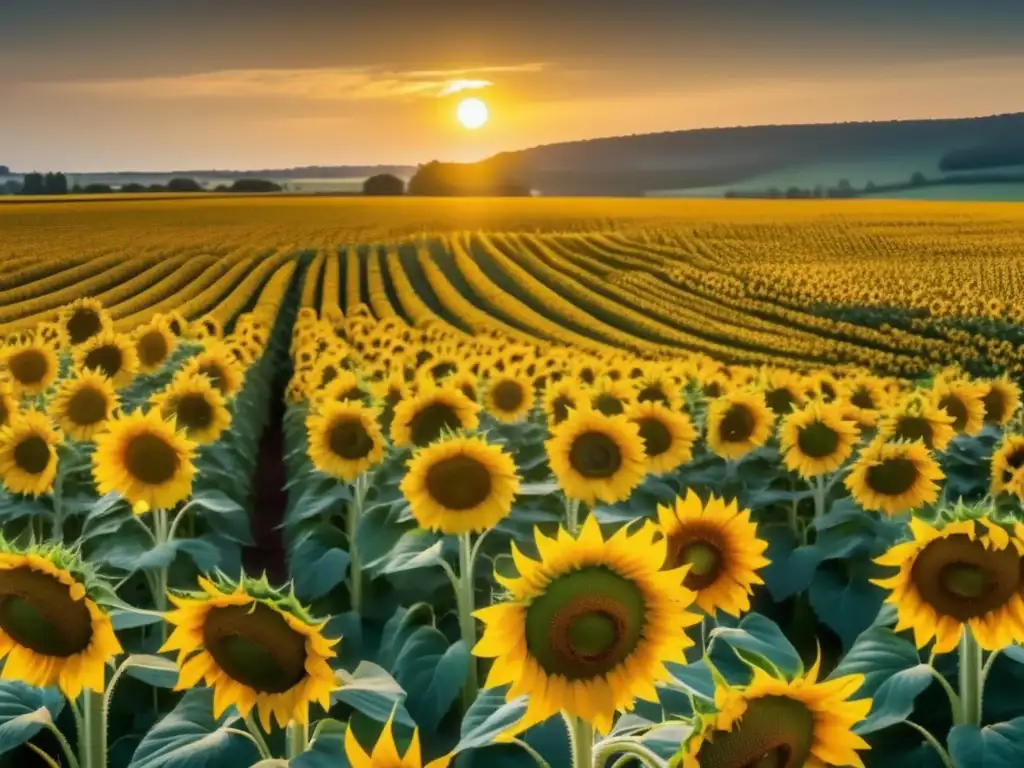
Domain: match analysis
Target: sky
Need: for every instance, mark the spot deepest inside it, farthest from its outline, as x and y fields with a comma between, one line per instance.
x=112, y=85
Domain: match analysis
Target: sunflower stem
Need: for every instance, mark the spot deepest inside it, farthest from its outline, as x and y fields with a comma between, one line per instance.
x=94, y=732
x=947, y=761
x=257, y=735
x=160, y=537
x=57, y=530
x=69, y=753
x=296, y=738
x=572, y=515
x=625, y=746
x=820, y=493
x=970, y=679
x=465, y=599
x=355, y=567
x=582, y=742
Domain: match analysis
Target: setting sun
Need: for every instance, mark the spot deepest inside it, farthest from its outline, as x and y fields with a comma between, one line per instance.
x=472, y=113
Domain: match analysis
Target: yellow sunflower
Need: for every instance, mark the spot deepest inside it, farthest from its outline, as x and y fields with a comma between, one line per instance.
x=32, y=366
x=345, y=439
x=1007, y=461
x=51, y=633
x=422, y=418
x=668, y=435
x=109, y=353
x=655, y=384
x=596, y=457
x=917, y=419
x=1001, y=400
x=344, y=387
x=737, y=423
x=467, y=383
x=587, y=628
x=720, y=544
x=220, y=366
x=964, y=401
x=385, y=751
x=154, y=343
x=177, y=323
x=560, y=397
x=255, y=648
x=82, y=405
x=817, y=439
x=28, y=453
x=195, y=405
x=509, y=397
x=967, y=573
x=894, y=477
x=145, y=459
x=460, y=484
x=610, y=396
x=8, y=403
x=782, y=390
x=864, y=397
x=83, y=319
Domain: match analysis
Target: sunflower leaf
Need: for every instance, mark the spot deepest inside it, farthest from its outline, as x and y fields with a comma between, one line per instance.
x=994, y=746
x=25, y=711
x=416, y=549
x=372, y=691
x=757, y=639
x=433, y=673
x=157, y=671
x=489, y=717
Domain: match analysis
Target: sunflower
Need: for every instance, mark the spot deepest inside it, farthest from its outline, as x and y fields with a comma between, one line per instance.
x=1001, y=400
x=559, y=398
x=1007, y=461
x=967, y=573
x=327, y=369
x=817, y=439
x=177, y=323
x=610, y=396
x=800, y=723
x=655, y=384
x=345, y=388
x=220, y=366
x=894, y=477
x=596, y=457
x=145, y=459
x=32, y=365
x=208, y=327
x=917, y=419
x=738, y=423
x=28, y=453
x=509, y=397
x=345, y=439
x=194, y=405
x=82, y=405
x=589, y=626
x=782, y=391
x=51, y=632
x=863, y=397
x=467, y=383
x=83, y=319
x=154, y=343
x=964, y=401
x=385, y=751
x=422, y=418
x=460, y=484
x=254, y=647
x=8, y=403
x=668, y=435
x=109, y=353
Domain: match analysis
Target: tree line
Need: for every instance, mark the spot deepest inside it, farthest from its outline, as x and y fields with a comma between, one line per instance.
x=57, y=184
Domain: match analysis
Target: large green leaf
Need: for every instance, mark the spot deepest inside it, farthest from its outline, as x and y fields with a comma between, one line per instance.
x=995, y=746
x=25, y=711
x=327, y=749
x=489, y=717
x=759, y=638
x=432, y=671
x=372, y=691
x=158, y=671
x=317, y=561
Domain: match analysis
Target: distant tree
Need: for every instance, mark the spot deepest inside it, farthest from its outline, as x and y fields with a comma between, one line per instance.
x=918, y=179
x=55, y=184
x=384, y=184
x=870, y=186
x=33, y=184
x=254, y=185
x=819, y=191
x=10, y=187
x=184, y=185
x=97, y=189
x=845, y=187
x=156, y=188
x=221, y=188
x=4, y=170
x=794, y=193
x=977, y=158
x=470, y=179
x=133, y=188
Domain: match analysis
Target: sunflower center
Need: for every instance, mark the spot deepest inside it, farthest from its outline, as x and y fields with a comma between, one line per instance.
x=4, y=413
x=714, y=389
x=83, y=325
x=28, y=366
x=87, y=406
x=960, y=577
x=255, y=647
x=862, y=399
x=892, y=477
x=429, y=422
x=957, y=409
x=106, y=358
x=508, y=396
x=775, y=731
x=459, y=483
x=608, y=404
x=817, y=440
x=914, y=428
x=585, y=623
x=213, y=372
x=194, y=411
x=828, y=392
x=468, y=391
x=152, y=348
x=37, y=612
x=595, y=455
x=652, y=394
x=350, y=440
x=780, y=400
x=1013, y=462
x=32, y=455
x=656, y=435
x=149, y=458
x=700, y=550
x=737, y=424
x=995, y=406
x=441, y=370
x=966, y=580
x=560, y=408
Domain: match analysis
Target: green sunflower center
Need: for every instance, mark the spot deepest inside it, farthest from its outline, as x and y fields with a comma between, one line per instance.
x=106, y=358
x=586, y=623
x=780, y=400
x=775, y=731
x=194, y=412
x=995, y=406
x=28, y=366
x=957, y=409
x=256, y=647
x=37, y=612
x=459, y=482
x=892, y=477
x=152, y=348
x=595, y=455
x=652, y=393
x=608, y=404
x=83, y=325
x=32, y=455
x=350, y=440
x=431, y=421
x=817, y=440
x=151, y=459
x=702, y=551
x=560, y=408
x=656, y=436
x=87, y=406
x=737, y=425
x=508, y=396
x=915, y=428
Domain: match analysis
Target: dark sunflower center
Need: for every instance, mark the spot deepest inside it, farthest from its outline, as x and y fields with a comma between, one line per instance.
x=956, y=408
x=459, y=483
x=862, y=399
x=175, y=326
x=83, y=325
x=255, y=647
x=508, y=396
x=656, y=436
x=429, y=422
x=329, y=374
x=32, y=455
x=780, y=400
x=995, y=406
x=892, y=477
x=560, y=408
x=595, y=455
x=152, y=348
x=775, y=731
x=194, y=411
x=652, y=393
x=737, y=425
x=608, y=404
x=353, y=395
x=441, y=370
x=106, y=358
x=87, y=406
x=4, y=413
x=468, y=391
x=959, y=577
x=214, y=373
x=915, y=428
x=828, y=392
x=587, y=376
x=350, y=440
x=1013, y=462
x=29, y=366
x=586, y=623
x=37, y=612
x=714, y=389
x=817, y=440
x=150, y=459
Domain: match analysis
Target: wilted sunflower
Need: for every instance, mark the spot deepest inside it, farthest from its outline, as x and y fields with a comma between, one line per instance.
x=894, y=477
x=422, y=418
x=460, y=484
x=196, y=406
x=28, y=453
x=83, y=319
x=917, y=419
x=509, y=397
x=145, y=459
x=1001, y=401
x=32, y=365
x=967, y=573
x=738, y=423
x=817, y=439
x=610, y=396
x=720, y=544
x=964, y=401
x=83, y=405
x=345, y=439
x=109, y=353
x=799, y=723
x=559, y=398
x=385, y=751
x=596, y=457
x=154, y=343
x=220, y=366
x=588, y=627
x=1007, y=461
x=52, y=634
x=668, y=435
x=254, y=647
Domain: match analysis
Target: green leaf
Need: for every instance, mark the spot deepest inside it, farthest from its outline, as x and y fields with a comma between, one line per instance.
x=433, y=673
x=129, y=618
x=538, y=489
x=153, y=670
x=995, y=746
x=317, y=564
x=25, y=711
x=845, y=600
x=372, y=691
x=416, y=549
x=327, y=749
x=758, y=639
x=489, y=717
x=666, y=740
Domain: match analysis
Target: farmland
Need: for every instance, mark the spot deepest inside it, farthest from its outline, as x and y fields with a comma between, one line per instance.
x=511, y=482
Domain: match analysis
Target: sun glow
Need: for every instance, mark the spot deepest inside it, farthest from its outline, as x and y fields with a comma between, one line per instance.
x=472, y=113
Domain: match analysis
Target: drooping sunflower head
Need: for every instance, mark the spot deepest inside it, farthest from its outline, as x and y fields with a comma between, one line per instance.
x=668, y=435
x=422, y=418
x=146, y=459
x=112, y=354
x=220, y=366
x=915, y=418
x=719, y=543
x=588, y=627
x=966, y=573
x=963, y=400
x=83, y=404
x=32, y=366
x=196, y=406
x=154, y=343
x=28, y=453
x=1001, y=400
x=738, y=423
x=596, y=457
x=460, y=484
x=1007, y=463
x=560, y=398
x=509, y=396
x=894, y=477
x=817, y=439
x=256, y=648
x=52, y=630
x=345, y=439
x=83, y=319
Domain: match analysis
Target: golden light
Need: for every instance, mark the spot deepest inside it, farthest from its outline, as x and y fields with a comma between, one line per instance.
x=472, y=113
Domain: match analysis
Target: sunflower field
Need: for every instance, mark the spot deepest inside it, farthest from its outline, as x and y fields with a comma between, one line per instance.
x=580, y=484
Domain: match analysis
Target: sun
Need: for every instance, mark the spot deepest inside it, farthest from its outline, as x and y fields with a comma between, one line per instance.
x=472, y=113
